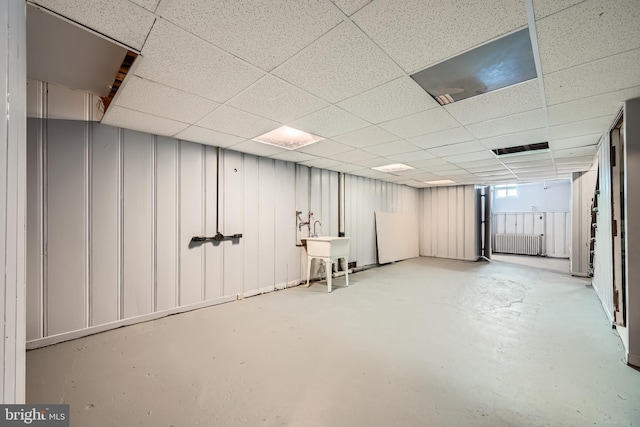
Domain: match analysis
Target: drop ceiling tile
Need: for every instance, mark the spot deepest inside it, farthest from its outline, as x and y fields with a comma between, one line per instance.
x=452, y=172
x=365, y=137
x=578, y=141
x=329, y=122
x=340, y=64
x=575, y=160
x=121, y=20
x=529, y=120
x=425, y=177
x=544, y=8
x=441, y=168
x=208, y=137
x=321, y=163
x=409, y=173
x=426, y=164
x=453, y=149
x=470, y=157
x=256, y=148
x=176, y=58
x=532, y=164
x=354, y=156
x=430, y=121
x=502, y=102
x=485, y=163
x=610, y=74
x=389, y=101
x=412, y=156
x=586, y=32
x=390, y=148
x=606, y=104
x=446, y=137
x=150, y=5
x=277, y=100
x=370, y=173
x=293, y=156
x=325, y=148
x=528, y=157
x=585, y=127
x=237, y=122
x=344, y=167
x=374, y=163
x=143, y=122
x=349, y=7
x=164, y=101
x=439, y=29
x=413, y=183
x=515, y=139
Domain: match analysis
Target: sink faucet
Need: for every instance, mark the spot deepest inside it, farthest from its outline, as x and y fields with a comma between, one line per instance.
x=315, y=233
x=303, y=223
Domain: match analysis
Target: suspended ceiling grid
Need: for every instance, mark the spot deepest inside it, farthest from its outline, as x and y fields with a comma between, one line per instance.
x=223, y=72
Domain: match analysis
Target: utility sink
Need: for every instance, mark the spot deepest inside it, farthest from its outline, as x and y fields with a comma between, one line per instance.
x=328, y=249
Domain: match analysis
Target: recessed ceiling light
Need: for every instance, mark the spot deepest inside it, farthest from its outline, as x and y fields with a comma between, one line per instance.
x=288, y=138
x=396, y=167
x=440, y=182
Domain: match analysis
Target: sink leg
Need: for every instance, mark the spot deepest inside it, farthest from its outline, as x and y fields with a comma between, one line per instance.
x=328, y=266
x=308, y=269
x=346, y=271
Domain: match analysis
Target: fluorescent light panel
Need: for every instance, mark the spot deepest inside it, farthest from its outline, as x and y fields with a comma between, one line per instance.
x=287, y=137
x=440, y=182
x=396, y=167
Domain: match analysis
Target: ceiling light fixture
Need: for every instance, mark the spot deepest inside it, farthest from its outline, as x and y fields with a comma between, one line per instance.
x=440, y=182
x=289, y=138
x=396, y=167
x=444, y=99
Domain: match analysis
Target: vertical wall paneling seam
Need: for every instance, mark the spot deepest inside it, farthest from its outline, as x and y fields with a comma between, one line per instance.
x=120, y=224
x=154, y=222
x=42, y=166
x=203, y=223
x=88, y=192
x=178, y=218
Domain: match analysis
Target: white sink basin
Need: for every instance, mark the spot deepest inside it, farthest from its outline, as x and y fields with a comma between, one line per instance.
x=328, y=249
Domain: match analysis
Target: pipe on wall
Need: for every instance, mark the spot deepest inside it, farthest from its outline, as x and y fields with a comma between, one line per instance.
x=341, y=205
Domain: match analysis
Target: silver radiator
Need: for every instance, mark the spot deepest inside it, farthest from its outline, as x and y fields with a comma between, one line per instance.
x=524, y=244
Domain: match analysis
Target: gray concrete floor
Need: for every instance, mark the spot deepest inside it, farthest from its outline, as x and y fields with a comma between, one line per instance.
x=416, y=343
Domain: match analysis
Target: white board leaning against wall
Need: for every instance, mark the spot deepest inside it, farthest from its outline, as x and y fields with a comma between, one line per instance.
x=396, y=236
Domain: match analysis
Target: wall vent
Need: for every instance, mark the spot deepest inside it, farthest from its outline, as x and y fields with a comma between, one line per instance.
x=522, y=149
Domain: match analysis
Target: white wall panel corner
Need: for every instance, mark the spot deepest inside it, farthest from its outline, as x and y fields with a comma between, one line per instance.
x=192, y=206
x=460, y=225
x=166, y=228
x=35, y=224
x=287, y=255
x=66, y=230
x=251, y=223
x=472, y=229
x=302, y=199
x=583, y=188
x=138, y=229
x=105, y=194
x=267, y=194
x=213, y=253
x=332, y=195
x=232, y=221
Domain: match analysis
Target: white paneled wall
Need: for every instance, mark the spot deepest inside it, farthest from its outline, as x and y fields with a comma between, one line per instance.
x=48, y=100
x=554, y=226
x=583, y=187
x=450, y=222
x=603, y=255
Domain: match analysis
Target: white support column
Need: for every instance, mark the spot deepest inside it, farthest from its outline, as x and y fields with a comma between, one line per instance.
x=13, y=88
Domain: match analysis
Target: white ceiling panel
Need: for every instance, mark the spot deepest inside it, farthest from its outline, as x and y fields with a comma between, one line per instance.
x=370, y=173
x=121, y=20
x=577, y=141
x=411, y=156
x=575, y=160
x=529, y=120
x=293, y=156
x=150, y=5
x=329, y=122
x=584, y=127
x=486, y=163
x=164, y=101
x=606, y=75
x=429, y=163
x=544, y=8
x=389, y=101
x=264, y=33
x=510, y=100
x=439, y=29
x=354, y=156
x=588, y=31
x=470, y=157
x=349, y=7
x=174, y=57
x=515, y=139
x=344, y=167
x=325, y=148
x=528, y=158
x=135, y=120
x=433, y=120
x=256, y=148
x=277, y=100
x=446, y=137
x=208, y=137
x=373, y=163
x=606, y=104
x=389, y=148
x=371, y=135
x=236, y=122
x=341, y=64
x=321, y=163
x=453, y=149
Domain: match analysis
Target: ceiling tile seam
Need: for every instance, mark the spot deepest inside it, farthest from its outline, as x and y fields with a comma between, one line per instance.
x=593, y=96
x=87, y=28
x=580, y=121
x=559, y=11
x=155, y=19
x=329, y=106
x=601, y=59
